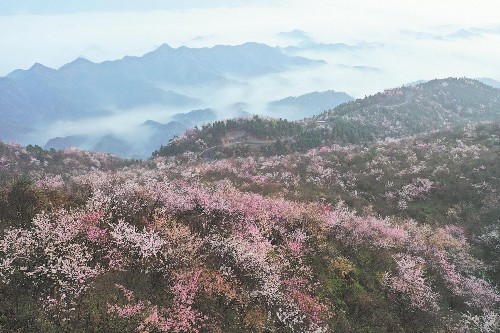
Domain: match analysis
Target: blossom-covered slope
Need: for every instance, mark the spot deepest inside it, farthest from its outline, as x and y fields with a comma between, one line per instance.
x=396, y=235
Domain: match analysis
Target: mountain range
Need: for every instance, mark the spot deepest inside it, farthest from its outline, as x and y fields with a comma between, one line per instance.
x=176, y=83
x=34, y=99
x=308, y=105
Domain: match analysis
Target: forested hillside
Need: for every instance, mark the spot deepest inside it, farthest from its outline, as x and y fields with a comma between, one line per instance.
x=428, y=106
x=221, y=232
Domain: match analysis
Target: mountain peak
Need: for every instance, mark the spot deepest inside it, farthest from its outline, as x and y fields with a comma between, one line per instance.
x=81, y=60
x=38, y=67
x=452, y=80
x=151, y=123
x=165, y=46
x=162, y=48
x=446, y=85
x=78, y=63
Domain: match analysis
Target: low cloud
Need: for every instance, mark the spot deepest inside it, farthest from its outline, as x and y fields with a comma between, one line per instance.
x=132, y=28
x=298, y=35
x=368, y=47
x=453, y=34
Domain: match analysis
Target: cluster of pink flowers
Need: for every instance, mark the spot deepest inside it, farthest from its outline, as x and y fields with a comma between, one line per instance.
x=410, y=282
x=50, y=254
x=50, y=183
x=200, y=236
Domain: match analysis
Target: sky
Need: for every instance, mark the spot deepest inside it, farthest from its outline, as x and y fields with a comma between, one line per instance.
x=396, y=42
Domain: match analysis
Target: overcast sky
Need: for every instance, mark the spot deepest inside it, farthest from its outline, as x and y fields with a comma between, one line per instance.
x=410, y=39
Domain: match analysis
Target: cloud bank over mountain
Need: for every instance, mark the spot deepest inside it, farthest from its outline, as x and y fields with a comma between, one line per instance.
x=357, y=51
x=449, y=37
x=105, y=106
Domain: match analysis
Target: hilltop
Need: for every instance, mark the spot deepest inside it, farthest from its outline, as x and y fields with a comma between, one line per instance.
x=308, y=105
x=424, y=107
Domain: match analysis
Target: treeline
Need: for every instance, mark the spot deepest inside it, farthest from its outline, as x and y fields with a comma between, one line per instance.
x=284, y=136
x=213, y=134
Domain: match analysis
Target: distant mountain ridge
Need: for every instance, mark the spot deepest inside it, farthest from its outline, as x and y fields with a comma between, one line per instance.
x=196, y=116
x=489, y=81
x=32, y=98
x=308, y=105
x=59, y=142
x=157, y=135
x=183, y=65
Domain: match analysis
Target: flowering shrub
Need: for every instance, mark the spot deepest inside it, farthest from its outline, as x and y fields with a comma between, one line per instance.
x=257, y=243
x=411, y=283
